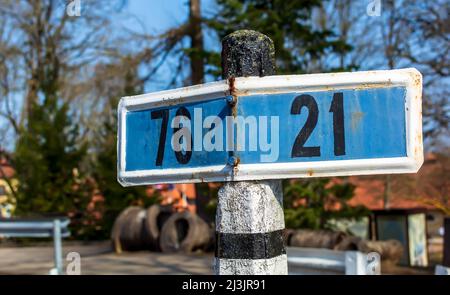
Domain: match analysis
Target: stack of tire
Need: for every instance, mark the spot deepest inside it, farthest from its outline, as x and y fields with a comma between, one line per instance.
x=158, y=229
x=389, y=250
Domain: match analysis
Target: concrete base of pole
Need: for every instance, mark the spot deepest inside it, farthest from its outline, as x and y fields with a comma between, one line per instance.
x=249, y=228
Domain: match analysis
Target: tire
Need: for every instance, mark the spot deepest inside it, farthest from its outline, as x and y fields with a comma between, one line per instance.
x=348, y=243
x=315, y=238
x=391, y=250
x=156, y=216
x=128, y=232
x=117, y=229
x=185, y=232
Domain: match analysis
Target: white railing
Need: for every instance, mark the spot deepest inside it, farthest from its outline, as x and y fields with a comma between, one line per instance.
x=38, y=228
x=302, y=261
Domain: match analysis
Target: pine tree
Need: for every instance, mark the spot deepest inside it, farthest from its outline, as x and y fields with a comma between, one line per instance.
x=47, y=159
x=313, y=203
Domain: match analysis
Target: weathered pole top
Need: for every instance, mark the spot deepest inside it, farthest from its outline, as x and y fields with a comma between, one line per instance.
x=247, y=53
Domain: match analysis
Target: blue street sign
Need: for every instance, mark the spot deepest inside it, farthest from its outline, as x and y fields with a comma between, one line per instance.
x=274, y=127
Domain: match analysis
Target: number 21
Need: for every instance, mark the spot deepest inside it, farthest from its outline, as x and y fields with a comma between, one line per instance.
x=337, y=108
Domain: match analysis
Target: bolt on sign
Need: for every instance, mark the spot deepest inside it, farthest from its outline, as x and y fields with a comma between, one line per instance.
x=273, y=127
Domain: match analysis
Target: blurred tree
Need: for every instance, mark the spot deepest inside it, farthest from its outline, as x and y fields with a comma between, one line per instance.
x=407, y=33
x=183, y=46
x=196, y=52
x=46, y=53
x=48, y=156
x=312, y=204
x=48, y=150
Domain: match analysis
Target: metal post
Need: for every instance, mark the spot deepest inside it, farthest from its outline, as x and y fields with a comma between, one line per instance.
x=58, y=247
x=249, y=216
x=355, y=263
x=446, y=254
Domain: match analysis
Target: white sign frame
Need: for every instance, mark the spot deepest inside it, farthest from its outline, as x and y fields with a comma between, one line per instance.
x=409, y=78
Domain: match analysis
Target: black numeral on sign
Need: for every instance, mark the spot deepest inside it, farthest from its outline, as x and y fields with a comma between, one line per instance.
x=299, y=150
x=164, y=115
x=183, y=158
x=337, y=108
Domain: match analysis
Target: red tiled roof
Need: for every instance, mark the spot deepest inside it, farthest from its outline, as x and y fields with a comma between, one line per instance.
x=6, y=171
x=370, y=190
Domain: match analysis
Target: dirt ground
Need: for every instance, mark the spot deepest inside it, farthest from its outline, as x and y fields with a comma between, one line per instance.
x=98, y=258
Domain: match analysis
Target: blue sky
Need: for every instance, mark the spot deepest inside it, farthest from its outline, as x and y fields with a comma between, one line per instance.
x=157, y=15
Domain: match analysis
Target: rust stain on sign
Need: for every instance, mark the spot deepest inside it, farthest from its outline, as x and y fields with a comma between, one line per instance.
x=235, y=169
x=233, y=105
x=233, y=93
x=417, y=79
x=236, y=165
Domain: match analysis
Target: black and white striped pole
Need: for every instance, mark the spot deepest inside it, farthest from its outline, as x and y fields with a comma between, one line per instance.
x=249, y=216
